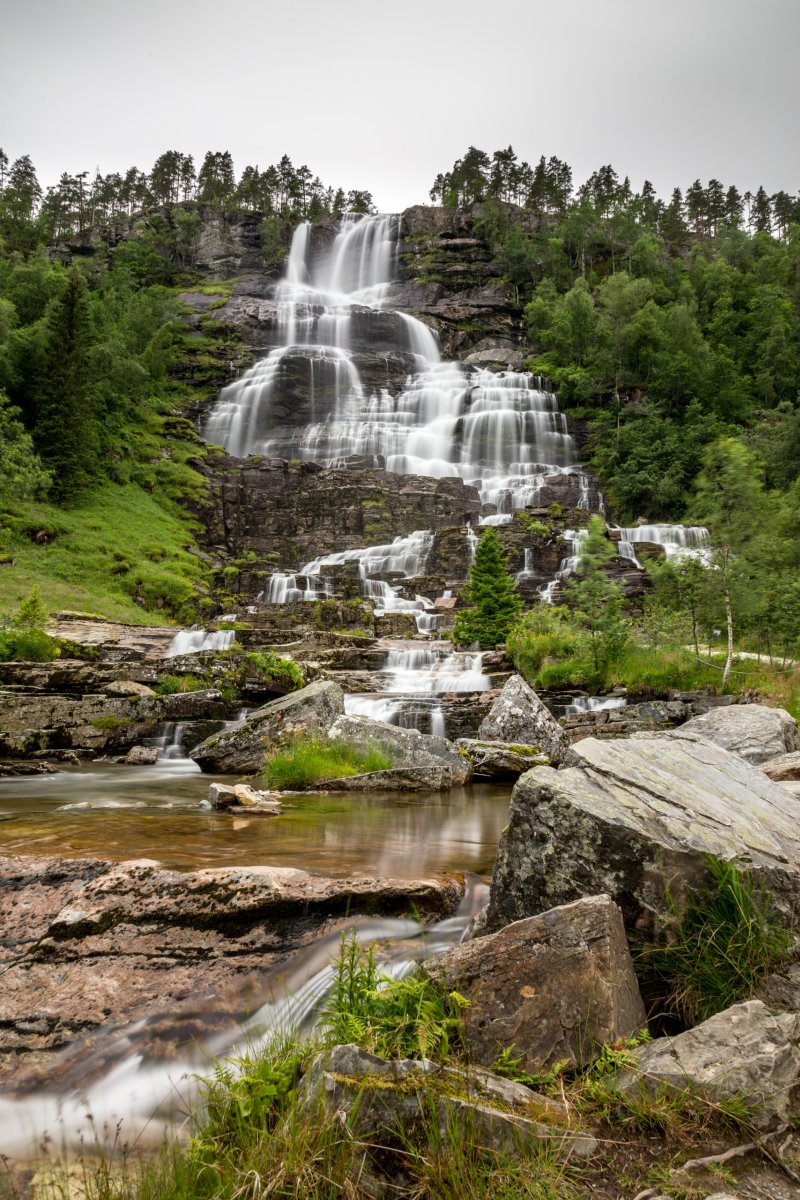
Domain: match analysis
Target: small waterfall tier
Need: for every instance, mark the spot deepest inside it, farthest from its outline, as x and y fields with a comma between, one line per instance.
x=197, y=641
x=677, y=541
x=502, y=432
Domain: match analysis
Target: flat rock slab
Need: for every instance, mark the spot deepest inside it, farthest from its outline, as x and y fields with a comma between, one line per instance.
x=501, y=760
x=86, y=942
x=753, y=731
x=407, y=747
x=519, y=716
x=745, y=1051
x=637, y=818
x=384, y=1098
x=241, y=750
x=553, y=986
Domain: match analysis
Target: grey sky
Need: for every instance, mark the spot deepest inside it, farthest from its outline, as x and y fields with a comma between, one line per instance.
x=383, y=96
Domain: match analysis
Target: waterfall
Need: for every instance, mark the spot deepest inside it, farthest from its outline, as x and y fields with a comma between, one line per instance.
x=501, y=431
x=679, y=541
x=196, y=641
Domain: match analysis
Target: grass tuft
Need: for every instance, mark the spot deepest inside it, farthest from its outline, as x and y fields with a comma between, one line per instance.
x=307, y=760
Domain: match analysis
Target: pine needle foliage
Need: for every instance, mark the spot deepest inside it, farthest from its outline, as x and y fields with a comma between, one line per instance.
x=491, y=596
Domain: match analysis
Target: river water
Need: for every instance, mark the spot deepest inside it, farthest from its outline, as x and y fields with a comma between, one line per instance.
x=157, y=812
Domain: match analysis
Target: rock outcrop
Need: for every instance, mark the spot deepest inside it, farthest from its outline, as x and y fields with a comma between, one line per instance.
x=87, y=941
x=635, y=818
x=519, y=716
x=241, y=749
x=554, y=986
x=745, y=1052
x=753, y=731
x=407, y=747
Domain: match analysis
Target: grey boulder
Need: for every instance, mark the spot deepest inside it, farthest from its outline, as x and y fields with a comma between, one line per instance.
x=745, y=1052
x=637, y=819
x=407, y=747
x=518, y=716
x=242, y=748
x=783, y=769
x=555, y=986
x=501, y=760
x=753, y=731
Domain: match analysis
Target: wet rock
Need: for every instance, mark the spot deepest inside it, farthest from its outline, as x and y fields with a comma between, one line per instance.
x=20, y=767
x=753, y=731
x=785, y=768
x=636, y=817
x=398, y=779
x=501, y=760
x=85, y=942
x=140, y=756
x=221, y=796
x=408, y=747
x=241, y=749
x=519, y=716
x=392, y=1096
x=554, y=986
x=745, y=1052
x=395, y=624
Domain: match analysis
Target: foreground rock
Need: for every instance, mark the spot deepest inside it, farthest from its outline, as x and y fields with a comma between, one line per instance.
x=407, y=747
x=241, y=749
x=88, y=941
x=501, y=760
x=554, y=986
x=392, y=1097
x=752, y=731
x=243, y=800
x=519, y=716
x=745, y=1052
x=636, y=818
x=783, y=769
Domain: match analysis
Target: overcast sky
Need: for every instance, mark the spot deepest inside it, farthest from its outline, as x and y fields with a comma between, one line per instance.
x=383, y=96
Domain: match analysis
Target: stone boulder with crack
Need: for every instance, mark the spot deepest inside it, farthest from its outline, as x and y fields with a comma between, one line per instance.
x=391, y=1096
x=745, y=1053
x=753, y=731
x=241, y=750
x=637, y=819
x=501, y=760
x=519, y=716
x=554, y=986
x=406, y=747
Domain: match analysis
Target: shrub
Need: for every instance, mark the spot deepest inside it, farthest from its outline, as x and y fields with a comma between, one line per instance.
x=305, y=761
x=171, y=684
x=283, y=672
x=727, y=939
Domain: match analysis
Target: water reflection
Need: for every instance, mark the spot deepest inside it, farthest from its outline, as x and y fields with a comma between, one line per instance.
x=157, y=812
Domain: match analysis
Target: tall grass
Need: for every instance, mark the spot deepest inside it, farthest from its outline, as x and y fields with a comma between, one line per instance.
x=719, y=949
x=308, y=760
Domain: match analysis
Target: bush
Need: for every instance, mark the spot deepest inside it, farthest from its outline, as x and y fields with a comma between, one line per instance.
x=307, y=760
x=171, y=684
x=22, y=636
x=727, y=939
x=283, y=672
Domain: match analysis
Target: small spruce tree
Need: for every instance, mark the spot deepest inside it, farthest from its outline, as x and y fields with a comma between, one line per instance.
x=491, y=596
x=596, y=600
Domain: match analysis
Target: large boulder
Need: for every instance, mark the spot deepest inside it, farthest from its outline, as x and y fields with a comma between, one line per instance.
x=387, y=1098
x=637, y=819
x=501, y=760
x=745, y=1052
x=407, y=747
x=518, y=716
x=241, y=749
x=753, y=731
x=553, y=986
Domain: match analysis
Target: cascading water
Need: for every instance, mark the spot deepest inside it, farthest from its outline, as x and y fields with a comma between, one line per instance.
x=499, y=430
x=197, y=641
x=678, y=541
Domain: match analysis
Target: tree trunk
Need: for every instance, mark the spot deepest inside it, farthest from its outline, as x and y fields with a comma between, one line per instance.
x=729, y=620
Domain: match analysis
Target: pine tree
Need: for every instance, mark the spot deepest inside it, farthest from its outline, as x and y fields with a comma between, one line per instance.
x=596, y=600
x=491, y=595
x=65, y=431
